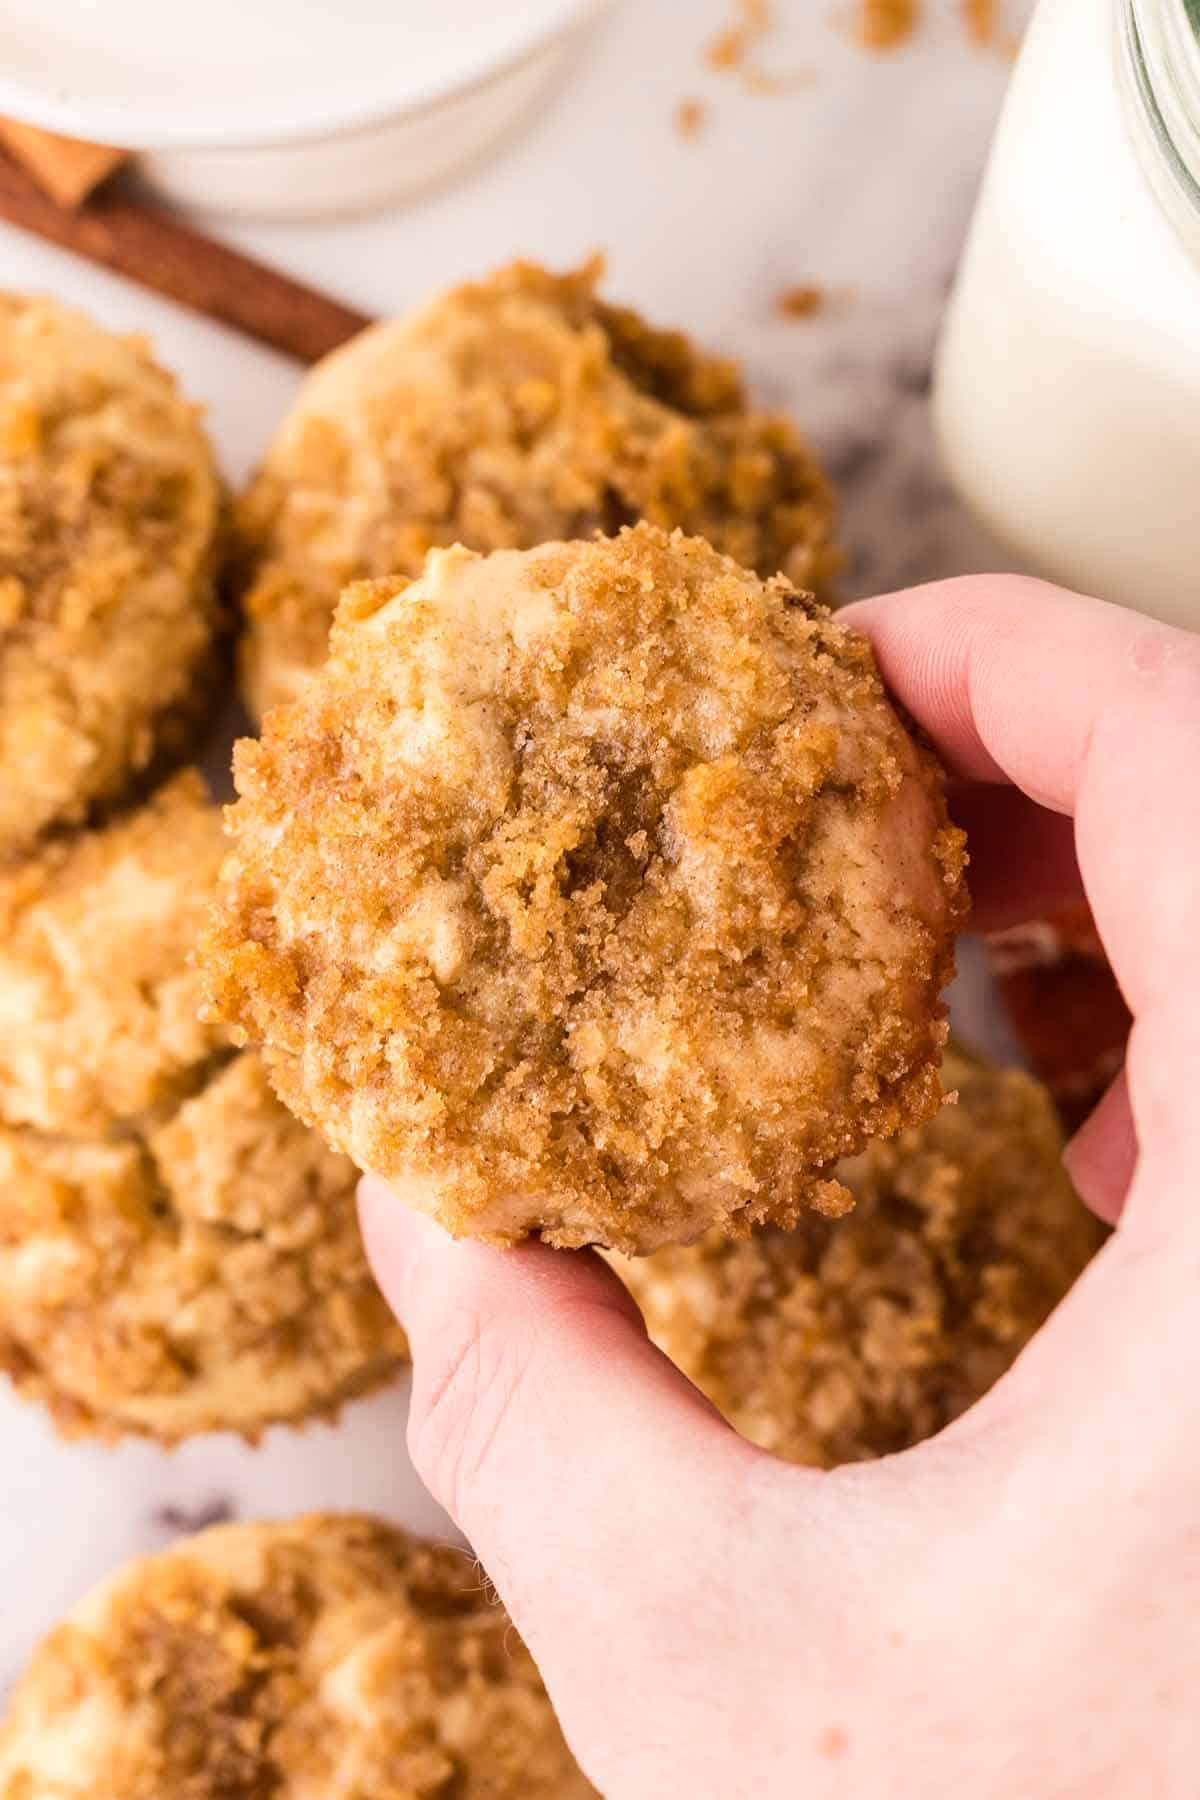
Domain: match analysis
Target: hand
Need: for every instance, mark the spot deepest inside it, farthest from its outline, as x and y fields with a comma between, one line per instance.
x=1011, y=1609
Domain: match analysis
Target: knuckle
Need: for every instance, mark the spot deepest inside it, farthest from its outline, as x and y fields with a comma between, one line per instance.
x=463, y=1409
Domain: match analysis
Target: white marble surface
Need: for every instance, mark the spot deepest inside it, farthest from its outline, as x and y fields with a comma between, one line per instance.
x=861, y=181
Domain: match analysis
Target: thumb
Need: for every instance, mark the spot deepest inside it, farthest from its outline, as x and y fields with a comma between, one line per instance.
x=560, y=1441
x=1102, y=1157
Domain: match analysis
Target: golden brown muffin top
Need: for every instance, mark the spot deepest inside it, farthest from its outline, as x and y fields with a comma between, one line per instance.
x=328, y=1658
x=842, y=1341
x=177, y=1252
x=110, y=509
x=595, y=890
x=506, y=413
x=99, y=1002
x=204, y=1274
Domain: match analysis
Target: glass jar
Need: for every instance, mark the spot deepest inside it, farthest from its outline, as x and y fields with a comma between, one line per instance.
x=1067, y=392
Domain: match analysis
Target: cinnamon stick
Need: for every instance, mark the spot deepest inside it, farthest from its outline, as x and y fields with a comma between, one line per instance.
x=139, y=241
x=66, y=168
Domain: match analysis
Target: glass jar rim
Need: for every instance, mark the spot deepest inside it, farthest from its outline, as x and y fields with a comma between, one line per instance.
x=1163, y=42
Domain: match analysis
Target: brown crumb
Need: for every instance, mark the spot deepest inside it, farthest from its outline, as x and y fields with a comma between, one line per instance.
x=802, y=301
x=727, y=49
x=691, y=118
x=890, y=24
x=732, y=52
x=985, y=29
x=980, y=18
x=886, y=24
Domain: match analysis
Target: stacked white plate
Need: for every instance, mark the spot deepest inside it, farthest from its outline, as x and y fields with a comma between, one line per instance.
x=285, y=108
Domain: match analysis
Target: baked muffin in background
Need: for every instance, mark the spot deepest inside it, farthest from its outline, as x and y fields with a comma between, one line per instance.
x=100, y=1006
x=595, y=891
x=507, y=413
x=845, y=1340
x=111, y=518
x=326, y=1658
x=177, y=1252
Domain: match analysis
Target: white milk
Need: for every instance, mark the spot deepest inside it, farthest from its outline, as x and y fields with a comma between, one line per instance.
x=1068, y=387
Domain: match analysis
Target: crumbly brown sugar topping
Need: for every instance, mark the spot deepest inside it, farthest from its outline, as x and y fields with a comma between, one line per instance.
x=110, y=509
x=177, y=1252
x=596, y=891
x=837, y=1342
x=328, y=1658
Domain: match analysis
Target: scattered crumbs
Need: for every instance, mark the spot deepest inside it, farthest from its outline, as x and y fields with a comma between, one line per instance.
x=984, y=28
x=691, y=118
x=834, y=1742
x=980, y=16
x=890, y=24
x=887, y=24
x=733, y=52
x=803, y=301
x=180, y=1519
x=727, y=49
x=876, y=25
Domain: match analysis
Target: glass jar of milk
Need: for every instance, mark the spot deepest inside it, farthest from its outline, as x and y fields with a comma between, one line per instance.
x=1068, y=383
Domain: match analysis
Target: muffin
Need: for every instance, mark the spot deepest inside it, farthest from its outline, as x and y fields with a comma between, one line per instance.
x=834, y=1343
x=507, y=413
x=327, y=1658
x=100, y=1008
x=177, y=1252
x=200, y=1274
x=110, y=516
x=593, y=891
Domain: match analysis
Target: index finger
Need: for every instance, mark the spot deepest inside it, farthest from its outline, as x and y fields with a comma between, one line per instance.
x=1088, y=709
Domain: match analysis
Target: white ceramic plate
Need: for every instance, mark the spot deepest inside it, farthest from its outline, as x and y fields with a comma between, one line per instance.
x=153, y=74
